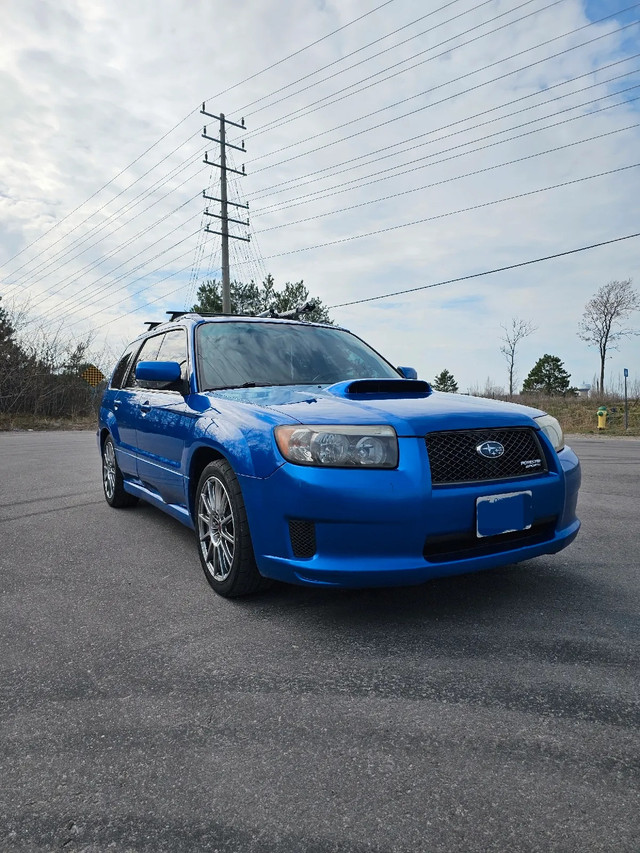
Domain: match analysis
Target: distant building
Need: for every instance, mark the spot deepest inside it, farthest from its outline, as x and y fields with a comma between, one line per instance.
x=584, y=390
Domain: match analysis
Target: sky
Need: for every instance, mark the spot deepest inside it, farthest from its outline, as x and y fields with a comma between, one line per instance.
x=389, y=146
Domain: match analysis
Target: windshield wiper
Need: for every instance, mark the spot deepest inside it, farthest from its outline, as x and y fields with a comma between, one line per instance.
x=244, y=385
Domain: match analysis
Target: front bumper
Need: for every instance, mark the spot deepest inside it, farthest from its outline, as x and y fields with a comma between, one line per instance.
x=374, y=527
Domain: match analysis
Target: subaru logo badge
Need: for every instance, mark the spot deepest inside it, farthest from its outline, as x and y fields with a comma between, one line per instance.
x=490, y=449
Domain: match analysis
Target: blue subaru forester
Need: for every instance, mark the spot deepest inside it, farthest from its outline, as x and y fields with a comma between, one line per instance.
x=297, y=453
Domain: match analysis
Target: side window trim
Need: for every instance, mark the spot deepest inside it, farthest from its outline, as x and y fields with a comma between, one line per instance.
x=132, y=361
x=180, y=330
x=129, y=379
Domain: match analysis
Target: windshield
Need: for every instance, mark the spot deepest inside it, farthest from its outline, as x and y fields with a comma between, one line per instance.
x=235, y=354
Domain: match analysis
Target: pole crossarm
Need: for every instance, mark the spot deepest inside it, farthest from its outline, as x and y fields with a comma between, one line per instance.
x=246, y=239
x=205, y=135
x=232, y=203
x=227, y=218
x=222, y=118
x=220, y=166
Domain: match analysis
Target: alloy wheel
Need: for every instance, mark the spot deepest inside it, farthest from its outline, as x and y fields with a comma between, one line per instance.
x=216, y=529
x=109, y=470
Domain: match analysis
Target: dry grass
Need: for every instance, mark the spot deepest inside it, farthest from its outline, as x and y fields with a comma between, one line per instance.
x=33, y=422
x=578, y=415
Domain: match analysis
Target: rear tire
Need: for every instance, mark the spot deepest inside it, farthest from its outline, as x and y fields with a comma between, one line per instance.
x=223, y=536
x=112, y=480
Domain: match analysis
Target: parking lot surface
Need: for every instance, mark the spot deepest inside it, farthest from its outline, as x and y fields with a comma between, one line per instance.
x=141, y=712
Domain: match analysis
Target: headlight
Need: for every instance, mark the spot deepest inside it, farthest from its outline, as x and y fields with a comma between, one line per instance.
x=339, y=446
x=552, y=429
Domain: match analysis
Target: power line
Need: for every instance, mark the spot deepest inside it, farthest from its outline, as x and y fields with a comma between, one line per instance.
x=377, y=55
x=70, y=299
x=177, y=125
x=325, y=101
x=445, y=180
x=93, y=294
x=485, y=272
x=339, y=140
x=105, y=275
x=379, y=172
x=140, y=278
x=57, y=261
x=243, y=110
x=450, y=97
x=64, y=218
x=301, y=50
x=442, y=215
x=589, y=73
x=346, y=239
x=100, y=226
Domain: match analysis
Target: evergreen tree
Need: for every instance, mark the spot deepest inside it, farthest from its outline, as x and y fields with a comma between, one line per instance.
x=445, y=382
x=251, y=299
x=547, y=376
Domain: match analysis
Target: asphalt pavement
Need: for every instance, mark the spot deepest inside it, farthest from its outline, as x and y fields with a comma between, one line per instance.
x=141, y=712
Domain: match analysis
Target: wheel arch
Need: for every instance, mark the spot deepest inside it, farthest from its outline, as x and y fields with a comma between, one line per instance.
x=200, y=458
x=104, y=434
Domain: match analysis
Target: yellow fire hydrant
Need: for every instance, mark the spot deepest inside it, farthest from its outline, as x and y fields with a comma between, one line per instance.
x=602, y=417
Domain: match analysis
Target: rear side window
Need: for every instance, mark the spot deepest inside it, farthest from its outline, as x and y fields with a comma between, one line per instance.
x=121, y=368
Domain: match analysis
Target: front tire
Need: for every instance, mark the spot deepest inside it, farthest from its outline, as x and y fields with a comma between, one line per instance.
x=112, y=480
x=222, y=531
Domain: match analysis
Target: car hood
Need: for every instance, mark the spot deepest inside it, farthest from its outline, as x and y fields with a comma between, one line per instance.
x=412, y=410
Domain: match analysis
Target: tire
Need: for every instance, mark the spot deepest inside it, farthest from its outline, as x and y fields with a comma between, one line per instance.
x=112, y=482
x=222, y=533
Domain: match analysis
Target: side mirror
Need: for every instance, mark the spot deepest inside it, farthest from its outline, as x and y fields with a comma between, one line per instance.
x=408, y=372
x=158, y=371
x=161, y=376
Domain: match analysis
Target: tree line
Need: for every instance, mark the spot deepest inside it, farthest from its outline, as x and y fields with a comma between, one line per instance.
x=603, y=325
x=41, y=373
x=41, y=368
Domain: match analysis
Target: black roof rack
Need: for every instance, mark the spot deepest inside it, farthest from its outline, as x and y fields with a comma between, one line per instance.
x=283, y=315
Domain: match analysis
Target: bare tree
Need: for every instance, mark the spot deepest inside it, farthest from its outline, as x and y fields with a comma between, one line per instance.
x=604, y=313
x=513, y=334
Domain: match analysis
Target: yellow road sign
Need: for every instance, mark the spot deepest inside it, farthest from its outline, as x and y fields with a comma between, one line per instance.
x=93, y=375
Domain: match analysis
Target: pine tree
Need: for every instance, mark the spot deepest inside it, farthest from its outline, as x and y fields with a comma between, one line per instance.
x=251, y=299
x=446, y=382
x=547, y=376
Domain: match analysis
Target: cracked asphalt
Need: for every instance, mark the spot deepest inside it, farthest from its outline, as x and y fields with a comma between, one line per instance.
x=140, y=712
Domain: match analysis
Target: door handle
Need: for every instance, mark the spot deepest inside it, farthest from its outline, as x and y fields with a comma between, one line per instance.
x=145, y=407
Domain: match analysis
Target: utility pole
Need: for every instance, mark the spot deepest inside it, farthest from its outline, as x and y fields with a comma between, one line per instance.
x=223, y=216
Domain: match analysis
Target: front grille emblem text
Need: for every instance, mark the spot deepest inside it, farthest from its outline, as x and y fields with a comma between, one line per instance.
x=531, y=463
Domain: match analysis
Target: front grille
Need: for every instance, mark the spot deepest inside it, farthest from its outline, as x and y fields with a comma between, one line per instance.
x=303, y=538
x=454, y=459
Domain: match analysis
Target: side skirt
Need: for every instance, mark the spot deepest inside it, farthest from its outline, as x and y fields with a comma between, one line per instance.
x=181, y=513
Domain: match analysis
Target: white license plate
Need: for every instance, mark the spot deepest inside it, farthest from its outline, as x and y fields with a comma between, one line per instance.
x=506, y=513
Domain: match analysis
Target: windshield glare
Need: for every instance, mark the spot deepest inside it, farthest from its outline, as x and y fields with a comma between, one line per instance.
x=232, y=354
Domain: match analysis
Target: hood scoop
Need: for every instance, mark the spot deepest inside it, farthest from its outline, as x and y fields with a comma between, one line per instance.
x=381, y=388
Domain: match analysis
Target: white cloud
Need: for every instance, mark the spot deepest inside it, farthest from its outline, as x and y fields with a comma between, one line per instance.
x=88, y=85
